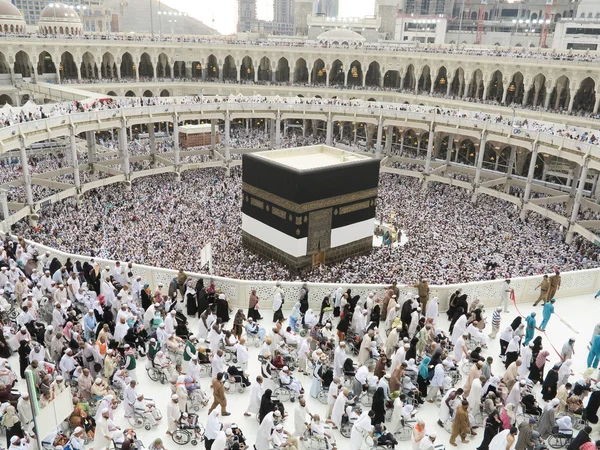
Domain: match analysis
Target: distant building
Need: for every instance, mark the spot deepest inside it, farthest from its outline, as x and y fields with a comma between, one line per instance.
x=302, y=9
x=153, y=16
x=283, y=11
x=246, y=15
x=95, y=15
x=368, y=27
x=328, y=8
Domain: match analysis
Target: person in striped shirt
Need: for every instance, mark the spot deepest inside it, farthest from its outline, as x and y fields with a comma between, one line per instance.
x=496, y=318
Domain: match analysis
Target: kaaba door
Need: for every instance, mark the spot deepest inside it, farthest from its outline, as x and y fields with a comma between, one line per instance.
x=319, y=234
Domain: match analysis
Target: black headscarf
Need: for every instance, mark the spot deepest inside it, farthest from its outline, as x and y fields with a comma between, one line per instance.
x=266, y=405
x=378, y=406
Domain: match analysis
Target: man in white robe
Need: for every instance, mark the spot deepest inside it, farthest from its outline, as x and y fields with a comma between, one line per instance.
x=432, y=311
x=338, y=359
x=300, y=417
x=129, y=398
x=173, y=414
x=263, y=434
x=105, y=429
x=256, y=393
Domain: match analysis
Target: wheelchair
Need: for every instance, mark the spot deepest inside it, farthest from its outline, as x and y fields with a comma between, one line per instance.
x=466, y=367
x=312, y=442
x=191, y=433
x=373, y=443
x=254, y=339
x=347, y=423
x=156, y=374
x=119, y=392
x=195, y=400
x=559, y=440
x=578, y=420
x=118, y=442
x=454, y=375
x=322, y=396
x=284, y=393
x=174, y=357
x=236, y=383
x=140, y=420
x=404, y=432
x=366, y=397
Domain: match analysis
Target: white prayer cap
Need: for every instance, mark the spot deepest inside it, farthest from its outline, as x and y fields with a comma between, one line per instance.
x=14, y=439
x=77, y=430
x=174, y=397
x=285, y=368
x=104, y=410
x=221, y=296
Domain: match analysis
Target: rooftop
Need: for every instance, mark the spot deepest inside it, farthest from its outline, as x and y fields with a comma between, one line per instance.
x=312, y=157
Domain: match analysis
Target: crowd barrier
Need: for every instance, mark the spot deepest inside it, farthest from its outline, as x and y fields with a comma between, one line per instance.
x=580, y=282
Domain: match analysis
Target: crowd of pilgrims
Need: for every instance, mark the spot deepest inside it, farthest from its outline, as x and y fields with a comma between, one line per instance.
x=450, y=239
x=374, y=361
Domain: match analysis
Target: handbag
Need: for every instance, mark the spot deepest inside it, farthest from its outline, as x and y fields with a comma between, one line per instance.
x=90, y=358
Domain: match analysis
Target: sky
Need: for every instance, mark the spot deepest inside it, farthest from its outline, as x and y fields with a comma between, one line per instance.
x=224, y=12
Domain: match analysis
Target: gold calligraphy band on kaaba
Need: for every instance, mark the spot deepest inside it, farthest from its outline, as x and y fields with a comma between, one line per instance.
x=310, y=206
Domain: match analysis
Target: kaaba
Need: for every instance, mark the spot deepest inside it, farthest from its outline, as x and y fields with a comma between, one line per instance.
x=308, y=205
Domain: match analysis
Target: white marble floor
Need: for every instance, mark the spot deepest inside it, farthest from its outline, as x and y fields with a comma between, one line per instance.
x=580, y=315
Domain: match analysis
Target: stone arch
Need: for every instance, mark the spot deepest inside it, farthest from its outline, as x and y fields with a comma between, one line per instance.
x=355, y=73
x=441, y=81
x=467, y=152
x=391, y=79
x=180, y=69
x=336, y=73
x=515, y=89
x=130, y=94
x=45, y=63
x=229, y=68
x=585, y=97
x=127, y=66
x=163, y=67
x=425, y=79
x=147, y=93
x=561, y=93
x=108, y=68
x=247, y=69
x=537, y=91
x=458, y=86
x=319, y=72
x=165, y=93
x=476, y=87
x=373, y=77
x=212, y=67
x=67, y=67
x=282, y=74
x=300, y=71
x=196, y=69
x=4, y=67
x=112, y=93
x=409, y=78
x=5, y=99
x=264, y=69
x=88, y=66
x=22, y=64
x=495, y=89
x=146, y=68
